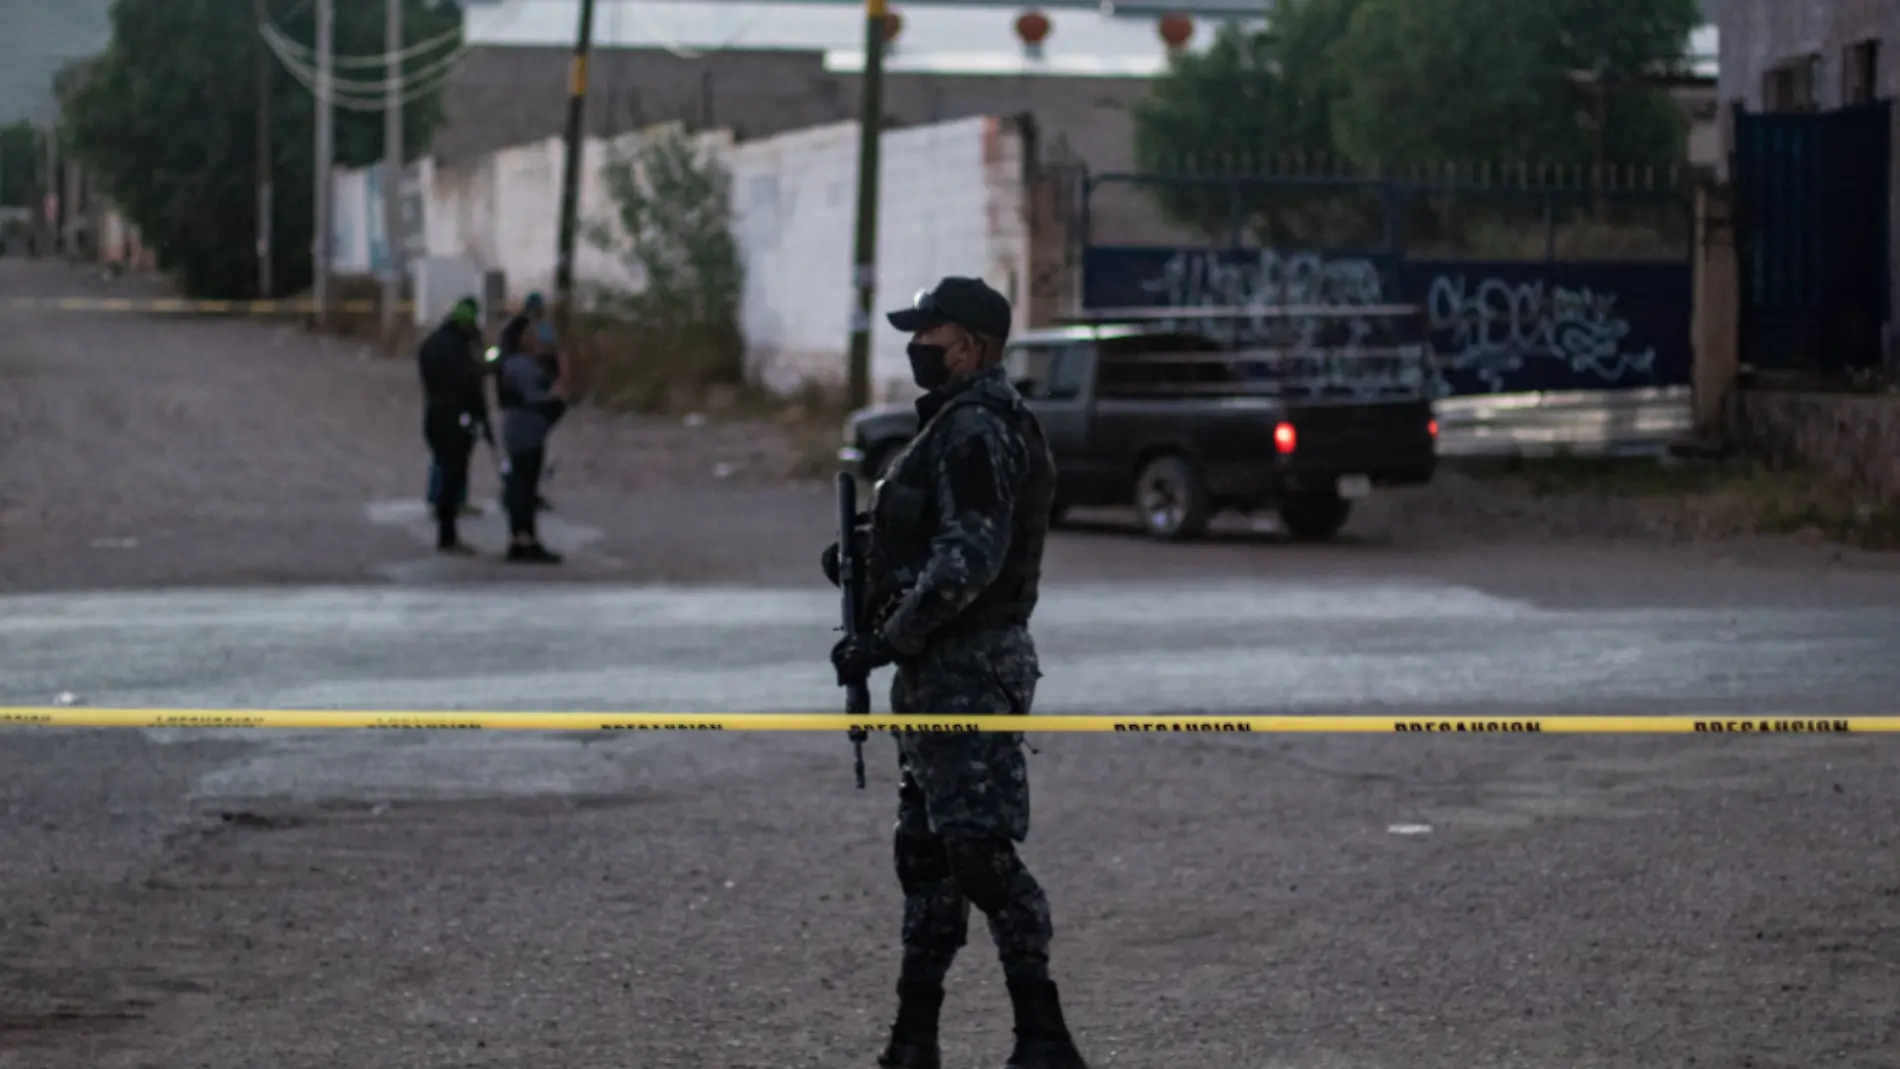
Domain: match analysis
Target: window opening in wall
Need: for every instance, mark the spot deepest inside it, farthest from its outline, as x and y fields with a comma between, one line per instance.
x=1792, y=86
x=1860, y=73
x=1777, y=86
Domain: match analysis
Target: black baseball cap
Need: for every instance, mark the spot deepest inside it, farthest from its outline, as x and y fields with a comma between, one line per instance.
x=970, y=303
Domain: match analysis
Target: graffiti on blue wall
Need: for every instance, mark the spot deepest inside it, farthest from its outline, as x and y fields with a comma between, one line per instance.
x=1495, y=327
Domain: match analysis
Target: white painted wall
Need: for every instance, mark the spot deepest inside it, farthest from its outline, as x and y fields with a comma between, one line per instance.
x=350, y=222
x=950, y=202
x=439, y=284
x=357, y=234
x=503, y=212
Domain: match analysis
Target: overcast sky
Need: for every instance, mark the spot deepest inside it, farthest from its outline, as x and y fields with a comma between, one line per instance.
x=40, y=36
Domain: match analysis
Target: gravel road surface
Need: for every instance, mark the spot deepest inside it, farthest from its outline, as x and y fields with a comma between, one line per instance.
x=210, y=513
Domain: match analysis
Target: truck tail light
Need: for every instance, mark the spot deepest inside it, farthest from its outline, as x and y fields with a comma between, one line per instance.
x=1284, y=438
x=1431, y=428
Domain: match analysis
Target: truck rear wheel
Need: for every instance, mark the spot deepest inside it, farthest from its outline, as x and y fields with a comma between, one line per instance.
x=1315, y=517
x=1171, y=500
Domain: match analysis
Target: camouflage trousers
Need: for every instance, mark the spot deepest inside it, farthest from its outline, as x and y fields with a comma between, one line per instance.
x=963, y=804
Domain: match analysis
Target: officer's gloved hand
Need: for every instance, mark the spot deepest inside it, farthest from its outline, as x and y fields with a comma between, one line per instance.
x=857, y=656
x=829, y=562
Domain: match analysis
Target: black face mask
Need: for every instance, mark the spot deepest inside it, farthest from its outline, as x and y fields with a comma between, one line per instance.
x=926, y=365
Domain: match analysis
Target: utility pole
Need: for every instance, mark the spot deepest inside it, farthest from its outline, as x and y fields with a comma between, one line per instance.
x=264, y=161
x=326, y=152
x=54, y=203
x=864, y=274
x=392, y=173
x=571, y=176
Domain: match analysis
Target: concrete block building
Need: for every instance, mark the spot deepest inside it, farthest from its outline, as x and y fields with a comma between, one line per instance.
x=765, y=68
x=1816, y=57
x=1808, y=55
x=760, y=69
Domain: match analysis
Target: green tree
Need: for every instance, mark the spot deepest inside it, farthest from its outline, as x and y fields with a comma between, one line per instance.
x=672, y=227
x=1493, y=81
x=1258, y=101
x=166, y=119
x=22, y=155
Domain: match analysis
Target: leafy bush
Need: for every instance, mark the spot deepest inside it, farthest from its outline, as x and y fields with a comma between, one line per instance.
x=678, y=334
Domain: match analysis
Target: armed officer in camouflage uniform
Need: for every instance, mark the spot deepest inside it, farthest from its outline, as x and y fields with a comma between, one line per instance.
x=955, y=538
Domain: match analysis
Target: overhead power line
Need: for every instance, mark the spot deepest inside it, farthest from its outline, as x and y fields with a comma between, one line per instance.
x=309, y=55
x=434, y=73
x=286, y=51
x=357, y=94
x=369, y=101
x=687, y=52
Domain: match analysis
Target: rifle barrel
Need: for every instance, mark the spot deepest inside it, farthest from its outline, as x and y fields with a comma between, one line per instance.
x=857, y=692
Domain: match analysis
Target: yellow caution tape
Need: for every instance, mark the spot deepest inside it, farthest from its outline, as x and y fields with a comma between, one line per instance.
x=79, y=717
x=173, y=306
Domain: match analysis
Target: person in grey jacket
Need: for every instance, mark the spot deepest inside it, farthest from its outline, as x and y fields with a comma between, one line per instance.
x=533, y=401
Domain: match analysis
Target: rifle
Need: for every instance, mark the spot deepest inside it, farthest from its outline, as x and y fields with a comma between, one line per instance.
x=857, y=693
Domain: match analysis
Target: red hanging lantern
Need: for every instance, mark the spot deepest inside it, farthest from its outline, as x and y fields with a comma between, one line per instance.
x=893, y=25
x=1033, y=28
x=1176, y=29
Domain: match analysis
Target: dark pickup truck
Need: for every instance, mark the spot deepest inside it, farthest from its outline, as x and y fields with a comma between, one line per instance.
x=1184, y=419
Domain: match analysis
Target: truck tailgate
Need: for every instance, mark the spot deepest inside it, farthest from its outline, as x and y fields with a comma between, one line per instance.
x=1389, y=442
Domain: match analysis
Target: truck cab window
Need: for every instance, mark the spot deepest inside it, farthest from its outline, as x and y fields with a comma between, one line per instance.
x=1163, y=364
x=1045, y=372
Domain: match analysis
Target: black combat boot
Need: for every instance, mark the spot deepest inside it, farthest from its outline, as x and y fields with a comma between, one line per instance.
x=1042, y=1038
x=913, y=1042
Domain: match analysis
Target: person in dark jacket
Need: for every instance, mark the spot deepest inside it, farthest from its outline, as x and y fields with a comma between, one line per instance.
x=533, y=311
x=454, y=411
x=532, y=317
x=535, y=401
x=958, y=526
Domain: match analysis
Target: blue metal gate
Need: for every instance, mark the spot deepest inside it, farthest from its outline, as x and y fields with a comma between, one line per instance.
x=1529, y=282
x=1812, y=228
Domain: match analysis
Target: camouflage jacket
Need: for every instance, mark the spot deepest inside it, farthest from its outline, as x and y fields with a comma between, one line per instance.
x=959, y=522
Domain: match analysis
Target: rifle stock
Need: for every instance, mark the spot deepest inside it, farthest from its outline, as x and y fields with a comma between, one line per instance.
x=857, y=693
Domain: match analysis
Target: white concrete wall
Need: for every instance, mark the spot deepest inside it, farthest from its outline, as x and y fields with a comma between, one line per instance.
x=950, y=202
x=503, y=213
x=356, y=217
x=350, y=222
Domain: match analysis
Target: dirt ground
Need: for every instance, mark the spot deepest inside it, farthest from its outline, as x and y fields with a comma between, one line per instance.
x=1624, y=902
x=139, y=451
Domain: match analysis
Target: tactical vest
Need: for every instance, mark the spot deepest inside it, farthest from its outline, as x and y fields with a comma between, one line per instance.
x=906, y=519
